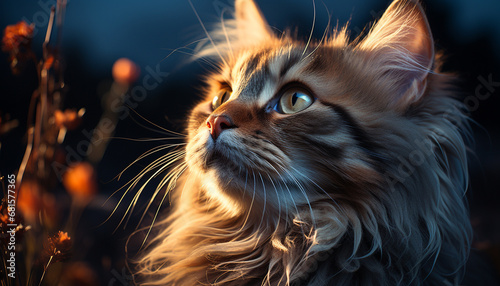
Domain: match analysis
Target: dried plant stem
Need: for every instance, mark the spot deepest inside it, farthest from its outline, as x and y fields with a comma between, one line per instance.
x=61, y=11
x=49, y=32
x=35, y=131
x=45, y=269
x=29, y=146
x=26, y=157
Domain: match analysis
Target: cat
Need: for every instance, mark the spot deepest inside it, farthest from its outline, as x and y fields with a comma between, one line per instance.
x=327, y=162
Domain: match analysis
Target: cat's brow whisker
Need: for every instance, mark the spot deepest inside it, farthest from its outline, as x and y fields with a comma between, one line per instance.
x=191, y=52
x=325, y=33
x=208, y=34
x=225, y=33
x=208, y=61
x=312, y=28
x=172, y=51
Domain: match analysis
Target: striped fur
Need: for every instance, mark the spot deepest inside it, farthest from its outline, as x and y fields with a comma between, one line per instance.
x=364, y=187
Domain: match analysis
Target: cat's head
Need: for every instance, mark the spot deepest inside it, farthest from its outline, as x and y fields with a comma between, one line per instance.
x=296, y=121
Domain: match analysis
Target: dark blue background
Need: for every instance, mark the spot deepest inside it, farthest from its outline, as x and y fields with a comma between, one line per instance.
x=96, y=33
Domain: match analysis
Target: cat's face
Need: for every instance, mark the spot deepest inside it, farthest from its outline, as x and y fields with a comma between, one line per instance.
x=277, y=116
x=296, y=121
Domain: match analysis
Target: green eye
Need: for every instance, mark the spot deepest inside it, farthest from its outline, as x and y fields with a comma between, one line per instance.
x=293, y=101
x=222, y=96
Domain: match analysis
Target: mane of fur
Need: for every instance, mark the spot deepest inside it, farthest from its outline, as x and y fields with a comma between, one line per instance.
x=411, y=229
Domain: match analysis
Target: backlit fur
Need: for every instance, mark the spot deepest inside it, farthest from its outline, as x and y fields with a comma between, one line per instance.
x=364, y=187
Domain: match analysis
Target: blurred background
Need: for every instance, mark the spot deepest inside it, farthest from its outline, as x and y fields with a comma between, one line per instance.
x=96, y=34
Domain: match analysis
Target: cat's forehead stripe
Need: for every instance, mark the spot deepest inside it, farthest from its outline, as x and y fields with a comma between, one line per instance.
x=252, y=76
x=256, y=70
x=288, y=63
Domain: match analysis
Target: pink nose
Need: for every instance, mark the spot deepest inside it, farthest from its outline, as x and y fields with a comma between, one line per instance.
x=219, y=123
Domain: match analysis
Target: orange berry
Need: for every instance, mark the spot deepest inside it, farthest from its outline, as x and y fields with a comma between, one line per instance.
x=80, y=181
x=125, y=71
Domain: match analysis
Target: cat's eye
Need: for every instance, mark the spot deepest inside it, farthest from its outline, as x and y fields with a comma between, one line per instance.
x=222, y=96
x=293, y=101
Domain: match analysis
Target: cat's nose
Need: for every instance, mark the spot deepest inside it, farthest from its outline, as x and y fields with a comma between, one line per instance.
x=219, y=123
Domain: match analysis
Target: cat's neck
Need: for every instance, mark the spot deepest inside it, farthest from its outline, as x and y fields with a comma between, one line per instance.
x=250, y=243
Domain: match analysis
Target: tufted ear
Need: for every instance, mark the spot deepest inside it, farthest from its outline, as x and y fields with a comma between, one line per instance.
x=401, y=48
x=251, y=25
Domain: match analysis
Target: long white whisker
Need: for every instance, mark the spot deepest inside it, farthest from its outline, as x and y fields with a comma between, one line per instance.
x=324, y=34
x=158, y=126
x=206, y=32
x=279, y=202
x=290, y=193
x=225, y=33
x=312, y=28
x=303, y=191
x=265, y=202
x=320, y=188
x=251, y=204
x=154, y=218
x=171, y=179
x=133, y=182
x=169, y=161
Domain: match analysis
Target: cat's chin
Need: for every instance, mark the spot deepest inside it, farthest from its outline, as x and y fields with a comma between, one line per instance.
x=223, y=175
x=221, y=166
x=225, y=172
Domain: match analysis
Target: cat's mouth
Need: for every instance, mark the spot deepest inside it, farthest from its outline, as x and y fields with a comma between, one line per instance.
x=231, y=162
x=221, y=160
x=235, y=157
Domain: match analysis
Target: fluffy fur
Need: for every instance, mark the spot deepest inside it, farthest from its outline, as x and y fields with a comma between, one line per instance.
x=364, y=187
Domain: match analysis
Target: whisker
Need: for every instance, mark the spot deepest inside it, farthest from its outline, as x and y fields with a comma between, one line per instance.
x=135, y=178
x=192, y=52
x=320, y=188
x=213, y=64
x=279, y=202
x=167, y=179
x=206, y=32
x=290, y=193
x=251, y=205
x=149, y=153
x=171, y=156
x=156, y=125
x=170, y=159
x=324, y=33
x=157, y=211
x=178, y=50
x=225, y=33
x=312, y=29
x=303, y=191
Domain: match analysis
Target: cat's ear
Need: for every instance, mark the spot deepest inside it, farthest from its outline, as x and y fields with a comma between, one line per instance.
x=251, y=25
x=400, y=45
